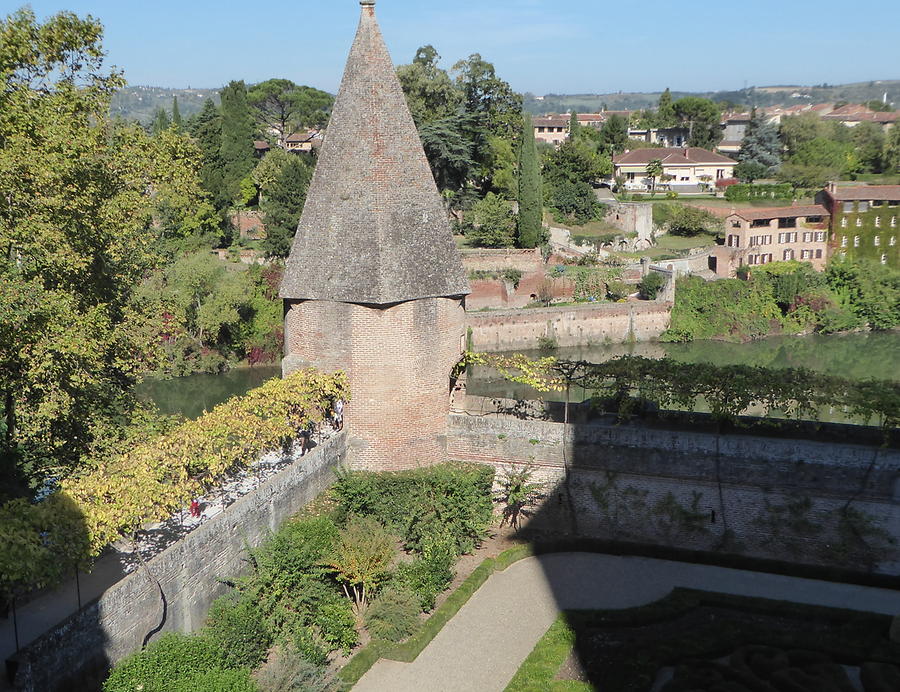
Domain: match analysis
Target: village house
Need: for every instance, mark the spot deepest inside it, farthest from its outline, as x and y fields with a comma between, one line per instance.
x=553, y=130
x=734, y=127
x=691, y=168
x=864, y=221
x=303, y=142
x=758, y=236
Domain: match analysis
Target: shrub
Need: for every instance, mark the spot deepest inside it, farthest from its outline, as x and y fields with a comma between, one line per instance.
x=290, y=672
x=238, y=630
x=547, y=343
x=394, y=615
x=651, y=285
x=617, y=290
x=671, y=194
x=513, y=276
x=427, y=575
x=177, y=662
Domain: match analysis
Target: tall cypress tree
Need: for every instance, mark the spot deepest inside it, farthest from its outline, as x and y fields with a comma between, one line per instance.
x=160, y=122
x=574, y=127
x=176, y=115
x=531, y=203
x=236, y=150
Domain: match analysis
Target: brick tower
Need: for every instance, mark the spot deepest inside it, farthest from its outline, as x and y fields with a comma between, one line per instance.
x=374, y=284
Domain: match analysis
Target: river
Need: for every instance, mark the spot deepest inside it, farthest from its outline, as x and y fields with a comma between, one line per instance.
x=857, y=356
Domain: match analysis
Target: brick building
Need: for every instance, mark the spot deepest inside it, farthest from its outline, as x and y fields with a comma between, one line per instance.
x=374, y=284
x=760, y=236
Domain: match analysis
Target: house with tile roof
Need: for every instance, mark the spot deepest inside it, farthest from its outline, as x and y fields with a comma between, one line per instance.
x=755, y=237
x=865, y=221
x=690, y=167
x=553, y=130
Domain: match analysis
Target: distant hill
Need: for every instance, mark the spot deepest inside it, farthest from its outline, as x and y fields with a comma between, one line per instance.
x=761, y=97
x=141, y=102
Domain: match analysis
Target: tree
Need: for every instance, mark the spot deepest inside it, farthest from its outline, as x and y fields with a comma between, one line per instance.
x=77, y=221
x=749, y=171
x=283, y=106
x=450, y=152
x=493, y=223
x=361, y=559
x=236, y=148
x=665, y=114
x=283, y=206
x=160, y=122
x=654, y=171
x=691, y=221
x=430, y=93
x=869, y=142
x=569, y=173
x=892, y=150
x=531, y=198
x=761, y=146
x=614, y=134
x=795, y=130
x=702, y=118
x=488, y=96
x=176, y=114
x=574, y=127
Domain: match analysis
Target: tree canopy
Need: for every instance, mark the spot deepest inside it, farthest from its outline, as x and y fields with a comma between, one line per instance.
x=286, y=108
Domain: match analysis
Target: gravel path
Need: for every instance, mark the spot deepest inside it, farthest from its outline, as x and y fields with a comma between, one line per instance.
x=481, y=648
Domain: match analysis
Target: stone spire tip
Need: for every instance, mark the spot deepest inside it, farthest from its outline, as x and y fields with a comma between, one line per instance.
x=367, y=3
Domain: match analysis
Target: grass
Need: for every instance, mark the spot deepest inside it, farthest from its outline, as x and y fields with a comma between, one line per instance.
x=861, y=638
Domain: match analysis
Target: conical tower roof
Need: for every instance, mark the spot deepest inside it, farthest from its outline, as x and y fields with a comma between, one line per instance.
x=373, y=229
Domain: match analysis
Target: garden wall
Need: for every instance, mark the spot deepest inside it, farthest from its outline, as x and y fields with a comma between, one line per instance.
x=777, y=498
x=497, y=260
x=78, y=654
x=509, y=330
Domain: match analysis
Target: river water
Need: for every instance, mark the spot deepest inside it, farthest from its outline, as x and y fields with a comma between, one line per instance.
x=856, y=356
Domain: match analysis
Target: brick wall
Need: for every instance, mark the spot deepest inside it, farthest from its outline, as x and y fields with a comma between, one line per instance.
x=77, y=655
x=398, y=359
x=735, y=476
x=509, y=330
x=498, y=260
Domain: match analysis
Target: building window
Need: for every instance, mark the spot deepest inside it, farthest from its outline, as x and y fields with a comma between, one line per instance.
x=848, y=207
x=858, y=221
x=813, y=219
x=760, y=223
x=877, y=222
x=805, y=254
x=877, y=240
x=884, y=258
x=735, y=224
x=843, y=241
x=844, y=222
x=863, y=206
x=893, y=240
x=787, y=256
x=843, y=255
x=807, y=236
x=788, y=223
x=893, y=222
x=820, y=236
x=856, y=241
x=818, y=254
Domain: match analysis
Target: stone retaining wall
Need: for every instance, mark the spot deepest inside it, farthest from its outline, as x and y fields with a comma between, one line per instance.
x=510, y=330
x=78, y=654
x=622, y=477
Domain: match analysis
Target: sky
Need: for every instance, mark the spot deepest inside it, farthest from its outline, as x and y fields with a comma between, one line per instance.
x=567, y=47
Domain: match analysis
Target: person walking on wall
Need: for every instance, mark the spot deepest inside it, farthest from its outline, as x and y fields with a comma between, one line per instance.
x=339, y=415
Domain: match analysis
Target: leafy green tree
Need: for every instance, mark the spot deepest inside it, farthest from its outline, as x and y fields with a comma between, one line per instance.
x=206, y=129
x=702, y=119
x=283, y=106
x=492, y=223
x=614, y=134
x=796, y=130
x=283, y=206
x=360, y=559
x=823, y=152
x=531, y=198
x=654, y=170
x=892, y=150
x=869, y=142
x=430, y=92
x=267, y=170
x=569, y=172
x=749, y=171
x=691, y=221
x=488, y=96
x=450, y=146
x=501, y=167
x=236, y=149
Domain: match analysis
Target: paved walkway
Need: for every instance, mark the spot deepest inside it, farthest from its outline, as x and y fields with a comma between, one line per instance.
x=481, y=648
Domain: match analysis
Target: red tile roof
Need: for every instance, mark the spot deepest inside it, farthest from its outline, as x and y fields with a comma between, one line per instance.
x=865, y=192
x=672, y=157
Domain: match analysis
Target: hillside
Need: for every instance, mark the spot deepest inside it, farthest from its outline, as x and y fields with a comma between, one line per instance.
x=761, y=97
x=141, y=102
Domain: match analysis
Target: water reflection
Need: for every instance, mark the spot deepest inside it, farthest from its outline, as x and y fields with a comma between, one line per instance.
x=856, y=356
x=191, y=396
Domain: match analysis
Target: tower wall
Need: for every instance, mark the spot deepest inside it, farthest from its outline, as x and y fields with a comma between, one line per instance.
x=398, y=359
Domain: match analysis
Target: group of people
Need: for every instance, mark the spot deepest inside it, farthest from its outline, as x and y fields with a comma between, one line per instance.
x=304, y=431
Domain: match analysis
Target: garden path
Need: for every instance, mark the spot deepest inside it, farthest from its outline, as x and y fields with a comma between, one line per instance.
x=481, y=648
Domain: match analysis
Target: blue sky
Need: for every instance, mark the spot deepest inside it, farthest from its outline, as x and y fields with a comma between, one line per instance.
x=567, y=47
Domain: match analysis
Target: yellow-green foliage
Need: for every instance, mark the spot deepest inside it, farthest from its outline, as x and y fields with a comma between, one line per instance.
x=151, y=480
